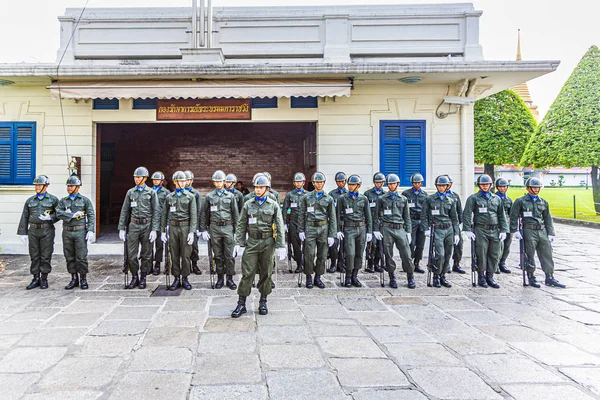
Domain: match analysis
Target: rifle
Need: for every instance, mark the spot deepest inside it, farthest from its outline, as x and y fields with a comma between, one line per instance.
x=289, y=249
x=341, y=261
x=211, y=263
x=125, y=259
x=167, y=262
x=474, y=266
x=301, y=264
x=369, y=251
x=383, y=269
x=431, y=267
x=523, y=259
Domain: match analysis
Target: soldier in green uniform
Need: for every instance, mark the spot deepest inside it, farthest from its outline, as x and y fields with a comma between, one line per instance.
x=162, y=192
x=393, y=212
x=180, y=215
x=291, y=208
x=261, y=220
x=457, y=249
x=485, y=223
x=195, y=256
x=219, y=215
x=340, y=181
x=36, y=229
x=79, y=227
x=317, y=226
x=416, y=197
x=502, y=187
x=374, y=247
x=439, y=210
x=354, y=223
x=140, y=214
x=537, y=231
x=230, y=181
x=251, y=195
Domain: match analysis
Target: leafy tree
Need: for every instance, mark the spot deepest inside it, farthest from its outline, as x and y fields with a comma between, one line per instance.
x=569, y=135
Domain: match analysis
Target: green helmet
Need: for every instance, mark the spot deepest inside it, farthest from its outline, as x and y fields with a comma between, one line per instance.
x=268, y=175
x=231, y=178
x=340, y=177
x=141, y=171
x=534, y=182
x=484, y=179
x=416, y=178
x=299, y=177
x=378, y=177
x=501, y=182
x=393, y=178
x=180, y=176
x=262, y=180
x=41, y=180
x=256, y=175
x=449, y=178
x=442, y=180
x=73, y=180
x=318, y=177
x=188, y=174
x=354, y=180
x=158, y=176
x=218, y=176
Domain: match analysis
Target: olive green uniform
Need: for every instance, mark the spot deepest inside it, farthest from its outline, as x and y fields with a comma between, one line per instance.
x=505, y=245
x=415, y=205
x=291, y=207
x=335, y=249
x=317, y=219
x=162, y=194
x=251, y=195
x=440, y=211
x=179, y=214
x=74, y=231
x=39, y=232
x=276, y=194
x=457, y=252
x=198, y=196
x=375, y=246
x=354, y=217
x=239, y=198
x=264, y=225
x=140, y=213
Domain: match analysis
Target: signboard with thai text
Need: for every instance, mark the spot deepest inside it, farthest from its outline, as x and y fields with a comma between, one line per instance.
x=199, y=109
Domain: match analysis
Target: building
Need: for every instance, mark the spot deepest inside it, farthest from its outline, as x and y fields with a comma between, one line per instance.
x=354, y=89
x=522, y=89
x=551, y=177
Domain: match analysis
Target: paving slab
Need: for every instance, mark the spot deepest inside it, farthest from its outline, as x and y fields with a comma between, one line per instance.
x=187, y=319
x=335, y=327
x=334, y=311
x=229, y=392
x=350, y=347
x=587, y=377
x=172, y=359
x=284, y=334
x=399, y=334
x=81, y=372
x=555, y=353
x=229, y=324
x=452, y=383
x=213, y=369
x=292, y=385
x=14, y=385
x=280, y=318
x=291, y=356
x=73, y=320
x=359, y=303
x=545, y=392
x=6, y=341
x=53, y=337
x=230, y=342
x=482, y=318
x=32, y=314
x=107, y=346
x=171, y=336
x=125, y=312
x=359, y=372
x=27, y=359
x=90, y=306
x=152, y=386
x=421, y=354
x=120, y=328
x=585, y=317
x=387, y=394
x=380, y=318
x=513, y=368
x=64, y=395
x=185, y=305
x=509, y=333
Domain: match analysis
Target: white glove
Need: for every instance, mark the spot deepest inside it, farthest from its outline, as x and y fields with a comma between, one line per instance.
x=78, y=214
x=190, y=238
x=198, y=233
x=460, y=226
x=122, y=235
x=470, y=236
x=518, y=235
x=302, y=236
x=286, y=228
x=45, y=217
x=152, y=236
x=409, y=237
x=369, y=237
x=502, y=236
x=281, y=253
x=378, y=235
x=90, y=237
x=551, y=238
x=205, y=235
x=340, y=236
x=163, y=237
x=456, y=239
x=330, y=242
x=427, y=233
x=238, y=251
x=25, y=239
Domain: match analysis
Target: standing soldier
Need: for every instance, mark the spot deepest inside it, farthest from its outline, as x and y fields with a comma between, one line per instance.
x=251, y=195
x=439, y=211
x=140, y=214
x=374, y=247
x=157, y=184
x=354, y=223
x=179, y=214
x=485, y=224
x=416, y=197
x=291, y=209
x=340, y=181
x=198, y=196
x=230, y=181
x=36, y=229
x=79, y=227
x=394, y=229
x=502, y=187
x=220, y=214
x=261, y=220
x=537, y=231
x=457, y=252
x=317, y=226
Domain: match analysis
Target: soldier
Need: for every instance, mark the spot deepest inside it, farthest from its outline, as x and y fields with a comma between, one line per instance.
x=317, y=226
x=354, y=223
x=198, y=196
x=485, y=224
x=162, y=192
x=261, y=220
x=180, y=215
x=457, y=252
x=290, y=206
x=416, y=197
x=252, y=195
x=439, y=210
x=220, y=214
x=502, y=187
x=230, y=181
x=374, y=247
x=140, y=214
x=340, y=181
x=79, y=227
x=537, y=231
x=36, y=229
x=393, y=212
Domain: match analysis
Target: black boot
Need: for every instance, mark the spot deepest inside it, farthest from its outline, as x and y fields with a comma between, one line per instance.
x=74, y=282
x=142, y=284
x=135, y=280
x=230, y=283
x=196, y=269
x=83, y=282
x=393, y=283
x=331, y=268
x=262, y=305
x=436, y=281
x=185, y=283
x=348, y=280
x=156, y=269
x=490, y=281
x=44, y=281
x=318, y=282
x=444, y=282
x=309, y=282
x=355, y=281
x=550, y=281
x=220, y=281
x=411, y=281
x=481, y=281
x=502, y=268
x=176, y=284
x=272, y=285
x=532, y=281
x=378, y=268
x=241, y=307
x=297, y=271
x=456, y=268
x=418, y=269
x=35, y=282
x=370, y=268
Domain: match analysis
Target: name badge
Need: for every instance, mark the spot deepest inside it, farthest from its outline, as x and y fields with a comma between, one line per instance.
x=133, y=204
x=528, y=214
x=435, y=212
x=172, y=209
x=214, y=208
x=293, y=205
x=68, y=210
x=483, y=210
x=349, y=210
x=387, y=212
x=372, y=204
x=411, y=205
x=310, y=209
x=251, y=221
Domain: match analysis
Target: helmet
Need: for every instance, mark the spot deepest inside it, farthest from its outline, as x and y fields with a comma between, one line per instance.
x=318, y=177
x=73, y=180
x=501, y=182
x=218, y=176
x=449, y=178
x=188, y=174
x=141, y=171
x=231, y=178
x=180, y=176
x=158, y=175
x=262, y=180
x=416, y=178
x=340, y=177
x=484, y=179
x=299, y=177
x=354, y=180
x=41, y=180
x=378, y=177
x=533, y=182
x=393, y=178
x=442, y=180
x=256, y=175
x=268, y=175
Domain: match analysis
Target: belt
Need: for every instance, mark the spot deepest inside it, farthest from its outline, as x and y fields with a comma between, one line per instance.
x=445, y=225
x=535, y=227
x=260, y=235
x=141, y=221
x=393, y=226
x=224, y=223
x=180, y=223
x=317, y=223
x=39, y=226
x=74, y=228
x=484, y=226
x=415, y=217
x=354, y=224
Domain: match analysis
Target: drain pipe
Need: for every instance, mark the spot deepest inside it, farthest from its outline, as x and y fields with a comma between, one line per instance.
x=209, y=25
x=463, y=153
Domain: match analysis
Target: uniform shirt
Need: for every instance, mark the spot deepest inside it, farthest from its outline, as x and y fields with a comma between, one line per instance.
x=291, y=204
x=458, y=205
x=532, y=212
x=506, y=203
x=439, y=210
x=260, y=218
x=372, y=195
x=218, y=207
x=337, y=193
x=198, y=197
x=354, y=209
x=315, y=208
x=415, y=202
x=239, y=198
x=68, y=206
x=33, y=208
x=252, y=195
x=179, y=207
x=162, y=194
x=392, y=208
x=487, y=209
x=276, y=194
x=141, y=204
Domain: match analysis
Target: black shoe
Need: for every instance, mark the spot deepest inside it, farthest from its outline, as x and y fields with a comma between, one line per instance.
x=44, y=281
x=411, y=281
x=83, y=282
x=456, y=268
x=262, y=305
x=230, y=283
x=481, y=281
x=348, y=281
x=331, y=269
x=418, y=269
x=196, y=269
x=503, y=269
x=185, y=283
x=309, y=282
x=74, y=282
x=240, y=309
x=35, y=282
x=156, y=269
x=393, y=283
x=298, y=270
x=272, y=285
x=436, y=281
x=355, y=281
x=341, y=269
x=176, y=284
x=490, y=281
x=444, y=282
x=142, y=284
x=550, y=281
x=532, y=281
x=135, y=280
x=318, y=282
x=370, y=269
x=220, y=282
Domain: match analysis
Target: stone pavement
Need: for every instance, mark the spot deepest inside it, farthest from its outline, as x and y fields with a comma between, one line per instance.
x=337, y=343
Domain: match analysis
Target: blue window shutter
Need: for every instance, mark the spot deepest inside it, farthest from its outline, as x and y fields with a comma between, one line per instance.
x=144, y=104
x=5, y=153
x=264, y=102
x=24, y=171
x=106, y=104
x=402, y=149
x=304, y=102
